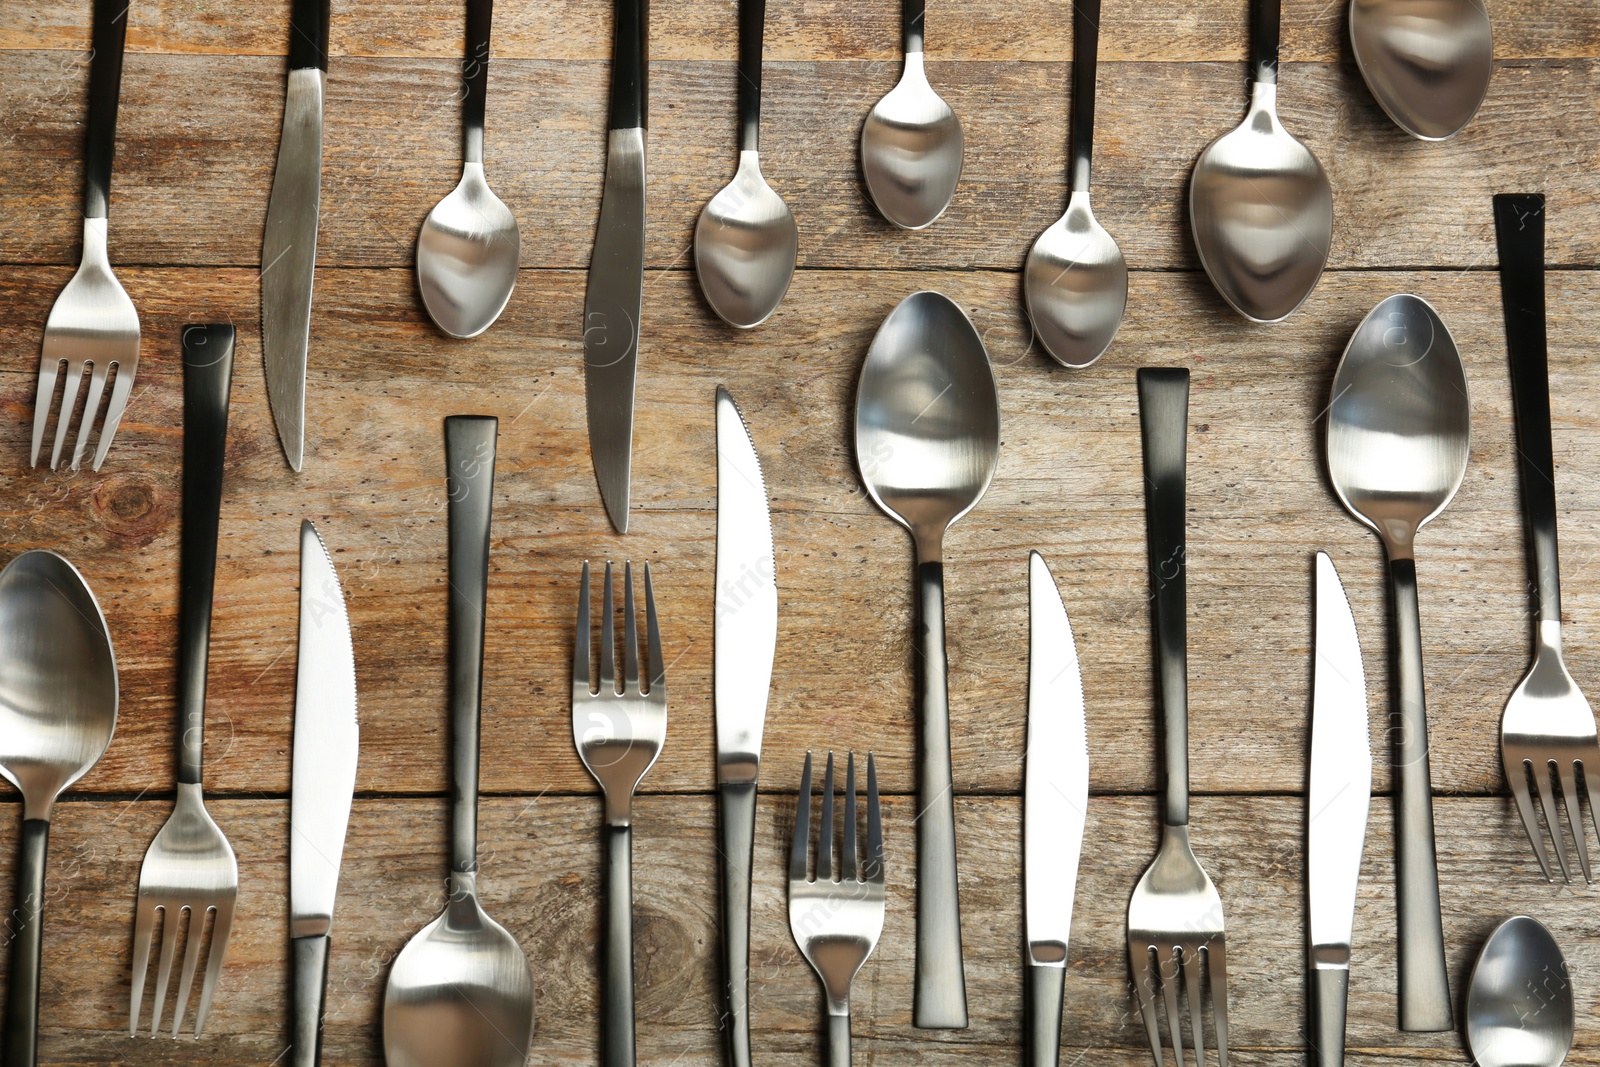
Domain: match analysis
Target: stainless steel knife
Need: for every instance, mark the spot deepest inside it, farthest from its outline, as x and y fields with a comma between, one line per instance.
x=611, y=307
x=289, y=250
x=324, y=779
x=1336, y=809
x=1055, y=801
x=746, y=634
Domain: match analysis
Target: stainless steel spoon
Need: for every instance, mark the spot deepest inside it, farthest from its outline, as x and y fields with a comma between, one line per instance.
x=1427, y=62
x=1519, y=1002
x=911, y=145
x=1398, y=430
x=746, y=242
x=460, y=993
x=469, y=248
x=1075, y=281
x=927, y=441
x=1259, y=202
x=58, y=709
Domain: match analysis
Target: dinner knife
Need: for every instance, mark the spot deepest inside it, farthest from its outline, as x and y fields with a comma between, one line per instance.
x=616, y=269
x=324, y=779
x=289, y=250
x=1336, y=809
x=746, y=635
x=1055, y=800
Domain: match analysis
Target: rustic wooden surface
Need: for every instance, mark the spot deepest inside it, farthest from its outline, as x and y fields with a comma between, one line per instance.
x=202, y=93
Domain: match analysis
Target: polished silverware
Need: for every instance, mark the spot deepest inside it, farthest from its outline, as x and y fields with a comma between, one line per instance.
x=746, y=635
x=745, y=242
x=326, y=744
x=58, y=710
x=619, y=734
x=837, y=921
x=1336, y=809
x=1520, y=1009
x=1427, y=62
x=612, y=304
x=1175, y=916
x=92, y=326
x=1548, y=724
x=469, y=248
x=1397, y=446
x=1259, y=202
x=1055, y=802
x=460, y=992
x=289, y=248
x=927, y=438
x=911, y=143
x=189, y=871
x=1075, y=280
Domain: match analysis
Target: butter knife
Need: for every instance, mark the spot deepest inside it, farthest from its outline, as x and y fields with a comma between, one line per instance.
x=289, y=250
x=324, y=779
x=611, y=306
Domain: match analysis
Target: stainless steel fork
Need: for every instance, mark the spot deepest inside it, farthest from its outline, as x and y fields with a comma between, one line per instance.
x=619, y=734
x=837, y=921
x=1175, y=916
x=93, y=325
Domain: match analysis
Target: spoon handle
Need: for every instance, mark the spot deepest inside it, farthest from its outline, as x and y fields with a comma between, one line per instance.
x=475, y=77
x=105, y=88
x=911, y=25
x=1265, y=17
x=1164, y=425
x=629, y=65
x=617, y=1045
x=1085, y=52
x=22, y=989
x=469, y=445
x=752, y=31
x=207, y=377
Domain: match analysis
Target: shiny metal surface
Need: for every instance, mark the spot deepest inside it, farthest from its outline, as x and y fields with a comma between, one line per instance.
x=289, y=258
x=1520, y=1009
x=911, y=150
x=611, y=308
x=1261, y=211
x=1076, y=285
x=92, y=327
x=467, y=256
x=1427, y=62
x=745, y=246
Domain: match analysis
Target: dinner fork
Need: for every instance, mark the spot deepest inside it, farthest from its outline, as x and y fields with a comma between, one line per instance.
x=1548, y=725
x=1175, y=916
x=93, y=324
x=189, y=867
x=619, y=734
x=837, y=921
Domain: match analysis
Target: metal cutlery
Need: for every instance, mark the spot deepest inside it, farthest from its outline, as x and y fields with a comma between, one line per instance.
x=189, y=870
x=93, y=325
x=1175, y=916
x=1426, y=62
x=1520, y=1010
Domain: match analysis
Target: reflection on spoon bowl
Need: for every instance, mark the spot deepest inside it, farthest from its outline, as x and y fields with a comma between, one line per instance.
x=911, y=151
x=745, y=246
x=1076, y=285
x=467, y=257
x=1519, y=1002
x=1427, y=62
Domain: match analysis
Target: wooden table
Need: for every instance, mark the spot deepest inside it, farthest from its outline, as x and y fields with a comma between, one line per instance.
x=201, y=101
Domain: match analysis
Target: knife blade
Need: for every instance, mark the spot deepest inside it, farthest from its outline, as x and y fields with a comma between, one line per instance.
x=326, y=741
x=1336, y=808
x=1055, y=802
x=746, y=636
x=289, y=248
x=612, y=303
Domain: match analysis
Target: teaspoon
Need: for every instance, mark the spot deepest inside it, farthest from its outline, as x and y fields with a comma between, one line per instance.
x=1519, y=1002
x=1426, y=62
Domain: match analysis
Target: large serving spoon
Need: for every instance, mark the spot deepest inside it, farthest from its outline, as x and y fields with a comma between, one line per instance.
x=746, y=242
x=58, y=709
x=469, y=248
x=1259, y=202
x=1519, y=1002
x=1075, y=281
x=911, y=144
x=460, y=993
x=927, y=441
x=1427, y=62
x=1398, y=428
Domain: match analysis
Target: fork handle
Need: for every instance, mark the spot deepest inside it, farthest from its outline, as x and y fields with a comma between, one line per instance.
x=22, y=990
x=839, y=1040
x=1330, y=987
x=738, y=829
x=1046, y=986
x=616, y=1042
x=310, y=962
x=105, y=88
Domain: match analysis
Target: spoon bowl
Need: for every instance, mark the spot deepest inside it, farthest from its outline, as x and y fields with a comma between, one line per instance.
x=911, y=150
x=1426, y=62
x=1519, y=1003
x=467, y=256
x=1076, y=285
x=745, y=246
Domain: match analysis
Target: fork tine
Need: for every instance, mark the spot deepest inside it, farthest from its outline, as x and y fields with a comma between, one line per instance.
x=171, y=919
x=630, y=634
x=1592, y=787
x=1169, y=995
x=658, y=667
x=1569, y=792
x=1217, y=972
x=608, y=640
x=874, y=872
x=1517, y=778
x=49, y=369
x=848, y=869
x=91, y=408
x=825, y=834
x=1144, y=992
x=1547, y=801
x=69, y=400
x=143, y=925
x=580, y=645
x=120, y=388
x=219, y=952
x=1196, y=998
x=802, y=826
x=191, y=960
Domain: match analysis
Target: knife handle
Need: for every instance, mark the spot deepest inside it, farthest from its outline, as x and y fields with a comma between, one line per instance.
x=475, y=77
x=308, y=34
x=616, y=1042
x=1330, y=988
x=309, y=960
x=20, y=1043
x=1045, y=988
x=738, y=828
x=207, y=378
x=630, y=65
x=105, y=89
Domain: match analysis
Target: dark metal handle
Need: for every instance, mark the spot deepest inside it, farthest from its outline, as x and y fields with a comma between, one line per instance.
x=838, y=1041
x=469, y=444
x=309, y=959
x=207, y=376
x=941, y=983
x=738, y=829
x=1519, y=232
x=475, y=77
x=308, y=34
x=105, y=89
x=1164, y=425
x=1085, y=51
x=752, y=29
x=616, y=1042
x=911, y=12
x=630, y=65
x=1330, y=988
x=1424, y=985
x=1045, y=988
x=1265, y=17
x=22, y=988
